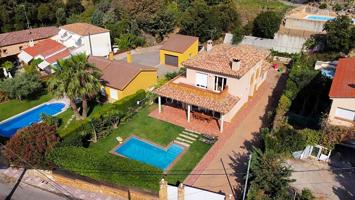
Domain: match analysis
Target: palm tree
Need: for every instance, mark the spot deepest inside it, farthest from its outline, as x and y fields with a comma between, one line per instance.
x=76, y=78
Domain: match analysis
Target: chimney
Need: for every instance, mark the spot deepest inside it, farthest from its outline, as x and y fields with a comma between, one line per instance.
x=181, y=193
x=163, y=191
x=235, y=64
x=129, y=57
x=209, y=45
x=110, y=56
x=31, y=43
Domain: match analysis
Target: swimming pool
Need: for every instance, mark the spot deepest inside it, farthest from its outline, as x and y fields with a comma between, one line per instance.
x=11, y=125
x=142, y=151
x=321, y=18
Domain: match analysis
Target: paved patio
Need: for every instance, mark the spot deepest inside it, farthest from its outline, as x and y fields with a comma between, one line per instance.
x=178, y=117
x=228, y=156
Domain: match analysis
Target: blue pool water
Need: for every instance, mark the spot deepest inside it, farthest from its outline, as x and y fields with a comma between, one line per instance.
x=8, y=128
x=321, y=18
x=142, y=151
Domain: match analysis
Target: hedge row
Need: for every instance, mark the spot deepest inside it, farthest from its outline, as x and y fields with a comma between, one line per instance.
x=126, y=105
x=301, y=74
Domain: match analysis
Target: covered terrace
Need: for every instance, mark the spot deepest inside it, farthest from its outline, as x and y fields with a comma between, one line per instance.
x=200, y=107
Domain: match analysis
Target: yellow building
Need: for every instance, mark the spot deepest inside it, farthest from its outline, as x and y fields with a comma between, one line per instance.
x=178, y=48
x=122, y=79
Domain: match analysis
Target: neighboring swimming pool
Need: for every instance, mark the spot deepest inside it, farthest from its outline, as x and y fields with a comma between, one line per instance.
x=10, y=126
x=321, y=18
x=137, y=149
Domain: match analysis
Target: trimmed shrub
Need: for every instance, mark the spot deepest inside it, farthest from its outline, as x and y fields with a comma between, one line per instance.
x=51, y=120
x=29, y=146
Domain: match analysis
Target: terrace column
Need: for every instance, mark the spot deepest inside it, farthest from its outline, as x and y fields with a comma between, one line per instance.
x=221, y=123
x=188, y=112
x=159, y=103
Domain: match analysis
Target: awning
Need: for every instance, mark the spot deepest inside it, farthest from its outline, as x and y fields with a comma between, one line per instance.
x=43, y=65
x=25, y=57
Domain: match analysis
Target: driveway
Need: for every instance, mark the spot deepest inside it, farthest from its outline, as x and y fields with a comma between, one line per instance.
x=149, y=56
x=224, y=165
x=324, y=182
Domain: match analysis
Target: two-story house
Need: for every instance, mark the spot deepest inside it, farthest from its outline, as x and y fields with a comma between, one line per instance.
x=342, y=94
x=83, y=37
x=217, y=83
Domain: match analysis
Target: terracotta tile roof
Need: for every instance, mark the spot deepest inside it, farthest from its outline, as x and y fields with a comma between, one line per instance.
x=84, y=29
x=22, y=36
x=179, y=43
x=343, y=85
x=45, y=48
x=265, y=66
x=220, y=102
x=58, y=56
x=218, y=59
x=118, y=74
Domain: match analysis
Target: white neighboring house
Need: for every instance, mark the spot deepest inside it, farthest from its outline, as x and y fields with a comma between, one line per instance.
x=342, y=92
x=48, y=50
x=83, y=37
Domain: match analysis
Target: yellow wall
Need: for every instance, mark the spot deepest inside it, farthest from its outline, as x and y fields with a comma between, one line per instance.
x=144, y=80
x=189, y=53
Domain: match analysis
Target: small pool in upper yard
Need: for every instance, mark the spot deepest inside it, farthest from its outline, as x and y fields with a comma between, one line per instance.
x=322, y=18
x=137, y=149
x=9, y=126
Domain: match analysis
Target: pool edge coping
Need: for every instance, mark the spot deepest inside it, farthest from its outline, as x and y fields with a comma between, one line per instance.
x=185, y=148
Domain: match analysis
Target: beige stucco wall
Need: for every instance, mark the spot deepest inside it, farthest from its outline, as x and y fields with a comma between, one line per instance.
x=242, y=88
x=14, y=49
x=346, y=103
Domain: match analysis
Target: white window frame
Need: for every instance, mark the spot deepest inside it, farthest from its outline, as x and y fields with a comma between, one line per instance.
x=345, y=114
x=113, y=94
x=198, y=80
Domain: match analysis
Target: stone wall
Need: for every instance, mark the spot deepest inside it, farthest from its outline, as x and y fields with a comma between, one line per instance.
x=94, y=186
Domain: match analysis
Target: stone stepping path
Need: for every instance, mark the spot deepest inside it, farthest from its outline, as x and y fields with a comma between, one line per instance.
x=186, y=138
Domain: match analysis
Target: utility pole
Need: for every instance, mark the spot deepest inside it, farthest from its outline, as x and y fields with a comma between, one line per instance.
x=246, y=180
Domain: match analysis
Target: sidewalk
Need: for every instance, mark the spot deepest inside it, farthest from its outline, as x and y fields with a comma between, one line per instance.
x=12, y=174
x=229, y=154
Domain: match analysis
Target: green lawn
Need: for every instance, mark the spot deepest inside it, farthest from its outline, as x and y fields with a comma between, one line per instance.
x=96, y=161
x=249, y=9
x=13, y=107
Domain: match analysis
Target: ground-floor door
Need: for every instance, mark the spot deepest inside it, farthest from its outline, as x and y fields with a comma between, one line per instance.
x=171, y=60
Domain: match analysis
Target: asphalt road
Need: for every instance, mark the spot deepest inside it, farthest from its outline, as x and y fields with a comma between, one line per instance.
x=26, y=192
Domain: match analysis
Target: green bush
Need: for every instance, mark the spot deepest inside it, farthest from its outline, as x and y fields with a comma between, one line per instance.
x=337, y=7
x=23, y=85
x=51, y=120
x=94, y=164
x=103, y=122
x=306, y=194
x=29, y=146
x=323, y=6
x=129, y=41
x=238, y=35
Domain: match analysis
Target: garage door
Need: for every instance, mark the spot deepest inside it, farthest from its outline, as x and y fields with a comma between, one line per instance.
x=171, y=60
x=345, y=114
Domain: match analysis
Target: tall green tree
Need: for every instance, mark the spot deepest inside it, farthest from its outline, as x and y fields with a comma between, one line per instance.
x=201, y=21
x=60, y=16
x=338, y=34
x=162, y=23
x=266, y=24
x=23, y=85
x=76, y=79
x=270, y=177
